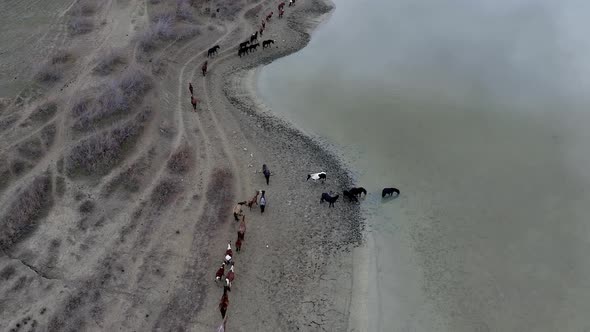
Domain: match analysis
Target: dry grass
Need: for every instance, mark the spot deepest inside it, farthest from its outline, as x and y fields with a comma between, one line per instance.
x=31, y=148
x=134, y=82
x=22, y=216
x=187, y=32
x=98, y=154
x=165, y=192
x=109, y=61
x=181, y=161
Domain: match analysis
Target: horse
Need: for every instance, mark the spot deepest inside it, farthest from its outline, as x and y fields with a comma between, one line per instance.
x=238, y=210
x=223, y=303
x=194, y=102
x=238, y=244
x=263, y=24
x=331, y=200
x=253, y=200
x=190, y=88
x=212, y=50
x=389, y=191
x=281, y=13
x=253, y=37
x=261, y=31
x=243, y=51
x=269, y=16
x=262, y=202
x=204, y=68
x=244, y=44
x=267, y=43
x=219, y=272
x=291, y=3
x=266, y=171
x=242, y=229
x=317, y=176
x=230, y=278
x=253, y=47
x=358, y=191
x=281, y=5
x=350, y=196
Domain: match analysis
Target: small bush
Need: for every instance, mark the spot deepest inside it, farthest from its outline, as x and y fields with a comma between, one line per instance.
x=84, y=8
x=86, y=207
x=161, y=29
x=165, y=192
x=19, y=166
x=80, y=25
x=61, y=57
x=48, y=135
x=134, y=83
x=184, y=10
x=184, y=33
x=81, y=105
x=181, y=161
x=107, y=63
x=23, y=214
x=32, y=148
x=49, y=73
x=44, y=112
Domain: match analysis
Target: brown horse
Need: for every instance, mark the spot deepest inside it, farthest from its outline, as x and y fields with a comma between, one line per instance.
x=269, y=16
x=228, y=255
x=219, y=272
x=281, y=13
x=224, y=303
x=194, y=101
x=190, y=88
x=263, y=24
x=281, y=5
x=242, y=229
x=238, y=244
x=253, y=200
x=230, y=278
x=204, y=68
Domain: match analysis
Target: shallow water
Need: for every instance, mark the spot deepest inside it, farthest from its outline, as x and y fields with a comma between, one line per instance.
x=477, y=111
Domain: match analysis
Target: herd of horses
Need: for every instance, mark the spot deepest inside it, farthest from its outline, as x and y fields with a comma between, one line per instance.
x=352, y=194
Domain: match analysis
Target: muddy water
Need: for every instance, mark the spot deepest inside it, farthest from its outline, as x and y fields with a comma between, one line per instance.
x=478, y=111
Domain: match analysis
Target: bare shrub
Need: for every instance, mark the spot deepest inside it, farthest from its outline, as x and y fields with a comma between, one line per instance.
x=184, y=33
x=60, y=186
x=181, y=161
x=161, y=29
x=44, y=112
x=22, y=216
x=131, y=178
x=49, y=72
x=84, y=8
x=184, y=10
x=98, y=154
x=48, y=135
x=165, y=192
x=5, y=175
x=134, y=83
x=80, y=25
x=81, y=106
x=107, y=62
x=19, y=166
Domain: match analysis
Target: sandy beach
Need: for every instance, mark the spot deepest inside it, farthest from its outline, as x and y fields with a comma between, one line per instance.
x=117, y=197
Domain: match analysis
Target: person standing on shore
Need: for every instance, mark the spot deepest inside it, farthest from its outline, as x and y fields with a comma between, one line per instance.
x=262, y=202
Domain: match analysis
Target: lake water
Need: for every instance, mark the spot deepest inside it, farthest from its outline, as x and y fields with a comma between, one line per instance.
x=478, y=110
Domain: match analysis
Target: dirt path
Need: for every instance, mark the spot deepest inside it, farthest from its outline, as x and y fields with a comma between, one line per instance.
x=130, y=216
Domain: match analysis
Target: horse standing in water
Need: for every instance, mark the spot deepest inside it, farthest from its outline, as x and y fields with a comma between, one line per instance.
x=204, y=68
x=223, y=303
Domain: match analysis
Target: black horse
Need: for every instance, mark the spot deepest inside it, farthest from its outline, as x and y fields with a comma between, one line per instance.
x=253, y=47
x=350, y=196
x=358, y=191
x=267, y=43
x=254, y=37
x=244, y=44
x=326, y=197
x=212, y=50
x=389, y=191
x=243, y=51
x=266, y=173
